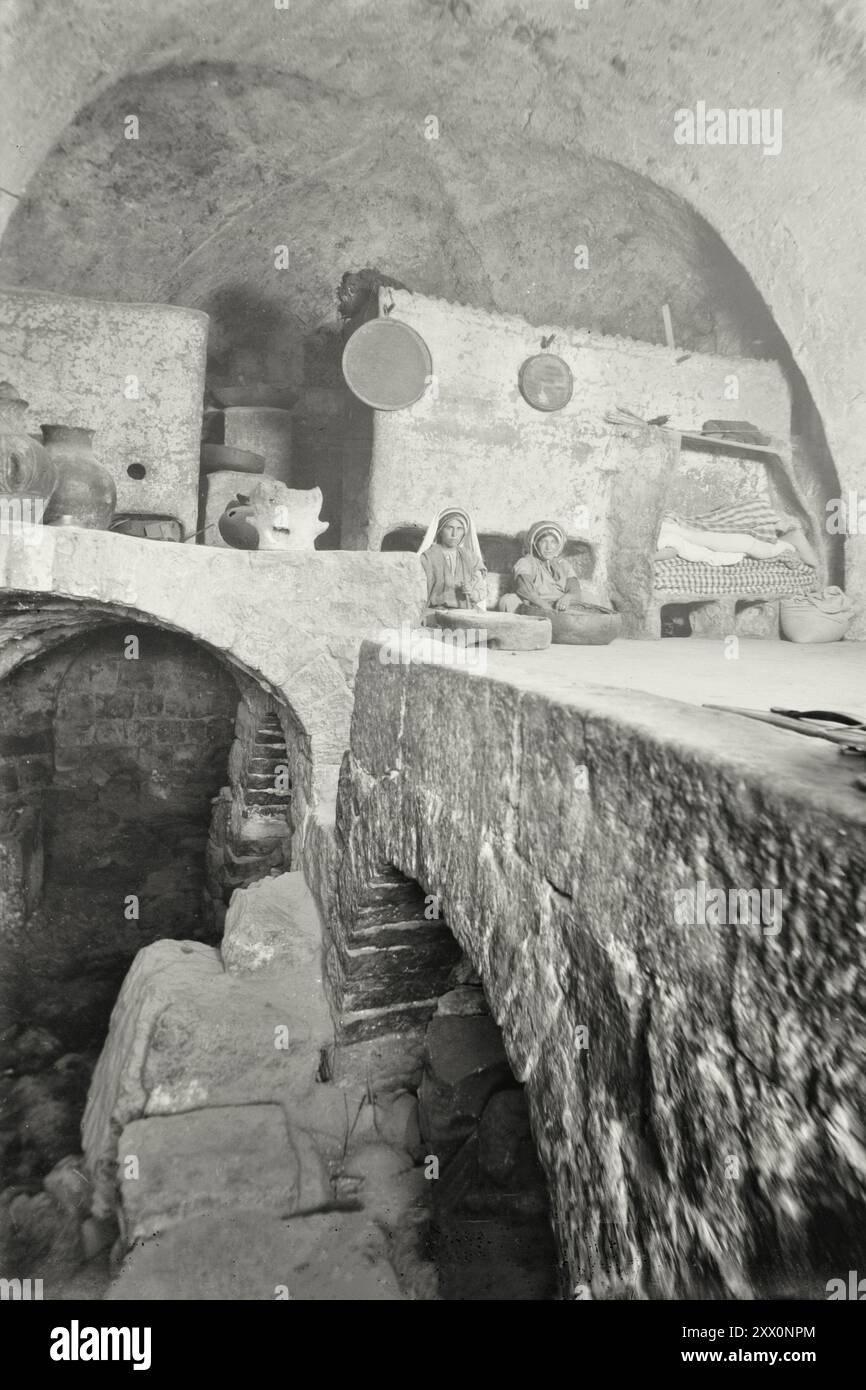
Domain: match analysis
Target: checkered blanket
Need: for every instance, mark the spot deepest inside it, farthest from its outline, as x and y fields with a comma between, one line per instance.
x=756, y=518
x=748, y=578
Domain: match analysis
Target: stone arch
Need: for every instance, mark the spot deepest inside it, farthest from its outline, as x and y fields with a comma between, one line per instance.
x=195, y=590
x=63, y=728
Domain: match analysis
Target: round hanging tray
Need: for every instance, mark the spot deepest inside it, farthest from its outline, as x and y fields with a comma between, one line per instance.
x=546, y=382
x=387, y=365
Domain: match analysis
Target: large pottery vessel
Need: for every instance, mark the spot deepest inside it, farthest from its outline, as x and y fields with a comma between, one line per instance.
x=85, y=494
x=26, y=469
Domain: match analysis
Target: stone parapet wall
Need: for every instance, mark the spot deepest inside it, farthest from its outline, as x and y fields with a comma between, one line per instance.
x=292, y=621
x=696, y=1091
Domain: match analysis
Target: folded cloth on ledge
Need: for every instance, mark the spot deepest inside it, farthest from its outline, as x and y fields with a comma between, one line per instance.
x=761, y=578
x=720, y=547
x=677, y=538
x=754, y=517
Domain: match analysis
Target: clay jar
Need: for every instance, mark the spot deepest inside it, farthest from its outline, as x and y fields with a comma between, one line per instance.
x=85, y=494
x=234, y=526
x=26, y=468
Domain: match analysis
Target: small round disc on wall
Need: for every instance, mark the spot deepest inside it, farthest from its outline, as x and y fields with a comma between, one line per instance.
x=546, y=382
x=387, y=365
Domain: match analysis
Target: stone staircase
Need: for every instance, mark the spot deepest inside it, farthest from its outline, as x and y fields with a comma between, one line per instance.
x=250, y=827
x=395, y=960
x=267, y=794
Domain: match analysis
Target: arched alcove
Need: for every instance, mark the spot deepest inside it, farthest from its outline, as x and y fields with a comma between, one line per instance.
x=131, y=804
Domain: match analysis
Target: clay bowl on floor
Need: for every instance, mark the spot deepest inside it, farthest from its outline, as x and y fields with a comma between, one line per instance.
x=585, y=629
x=272, y=395
x=220, y=458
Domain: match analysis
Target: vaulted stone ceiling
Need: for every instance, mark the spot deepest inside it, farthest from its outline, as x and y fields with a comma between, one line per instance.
x=305, y=126
x=234, y=161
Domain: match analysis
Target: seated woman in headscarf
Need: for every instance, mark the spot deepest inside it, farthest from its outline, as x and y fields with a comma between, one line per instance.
x=452, y=560
x=545, y=582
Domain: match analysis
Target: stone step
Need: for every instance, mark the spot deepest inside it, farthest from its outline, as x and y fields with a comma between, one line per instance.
x=390, y=885
x=263, y=764
x=359, y=1025
x=265, y=801
x=381, y=963
x=241, y=858
x=263, y=781
x=391, y=911
x=392, y=982
x=416, y=930
x=264, y=832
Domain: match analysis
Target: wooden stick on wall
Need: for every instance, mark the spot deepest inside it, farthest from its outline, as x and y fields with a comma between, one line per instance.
x=669, y=327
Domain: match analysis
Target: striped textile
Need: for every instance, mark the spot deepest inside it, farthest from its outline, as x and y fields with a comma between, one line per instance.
x=754, y=518
x=748, y=578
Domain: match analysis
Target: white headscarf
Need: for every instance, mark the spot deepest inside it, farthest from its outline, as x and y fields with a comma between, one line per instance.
x=469, y=542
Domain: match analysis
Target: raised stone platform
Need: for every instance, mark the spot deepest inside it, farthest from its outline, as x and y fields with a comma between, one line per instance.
x=701, y=671
x=696, y=1081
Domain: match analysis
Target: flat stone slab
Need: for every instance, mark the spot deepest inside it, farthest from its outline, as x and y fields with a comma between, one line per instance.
x=187, y=1035
x=505, y=631
x=172, y=1167
x=273, y=924
x=244, y=1256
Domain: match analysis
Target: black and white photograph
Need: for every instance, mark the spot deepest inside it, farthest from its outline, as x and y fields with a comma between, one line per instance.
x=432, y=667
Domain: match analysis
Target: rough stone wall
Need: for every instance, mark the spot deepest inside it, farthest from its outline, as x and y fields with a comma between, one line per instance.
x=475, y=439
x=703, y=1134
x=141, y=747
x=27, y=700
x=133, y=373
